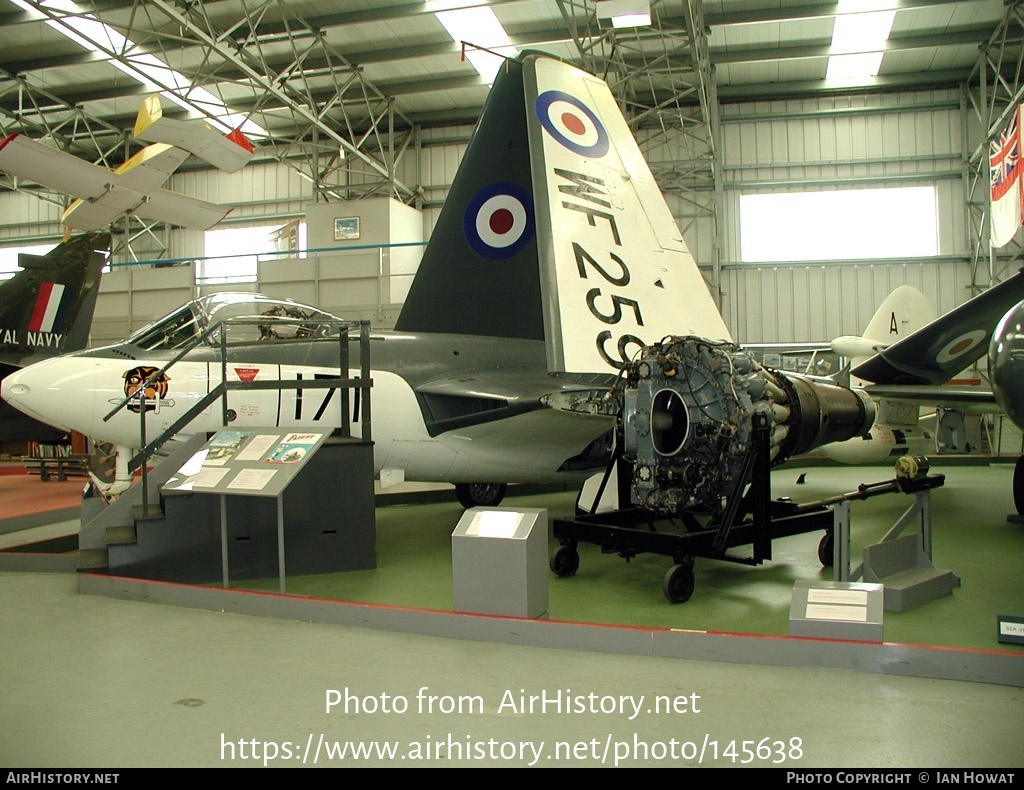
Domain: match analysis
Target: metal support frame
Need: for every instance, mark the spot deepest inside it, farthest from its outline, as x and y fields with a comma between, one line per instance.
x=988, y=97
x=919, y=513
x=665, y=84
x=750, y=517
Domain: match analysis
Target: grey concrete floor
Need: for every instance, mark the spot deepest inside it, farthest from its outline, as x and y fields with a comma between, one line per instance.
x=89, y=681
x=96, y=682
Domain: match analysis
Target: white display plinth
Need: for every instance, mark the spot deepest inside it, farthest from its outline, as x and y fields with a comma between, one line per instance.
x=499, y=562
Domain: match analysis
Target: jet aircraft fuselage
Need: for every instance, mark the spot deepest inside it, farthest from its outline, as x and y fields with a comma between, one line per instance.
x=480, y=420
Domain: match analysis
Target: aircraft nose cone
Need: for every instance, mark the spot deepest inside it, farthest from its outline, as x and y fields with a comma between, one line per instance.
x=14, y=390
x=1006, y=364
x=22, y=390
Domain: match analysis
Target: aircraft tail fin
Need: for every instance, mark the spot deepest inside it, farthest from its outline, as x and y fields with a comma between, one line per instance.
x=904, y=311
x=478, y=274
x=228, y=152
x=949, y=344
x=901, y=313
x=47, y=307
x=555, y=230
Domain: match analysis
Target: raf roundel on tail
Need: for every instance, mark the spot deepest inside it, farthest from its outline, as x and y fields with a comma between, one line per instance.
x=499, y=220
x=572, y=123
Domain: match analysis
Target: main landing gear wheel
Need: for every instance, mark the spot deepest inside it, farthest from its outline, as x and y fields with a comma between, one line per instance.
x=480, y=494
x=679, y=583
x=1018, y=485
x=565, y=561
x=826, y=549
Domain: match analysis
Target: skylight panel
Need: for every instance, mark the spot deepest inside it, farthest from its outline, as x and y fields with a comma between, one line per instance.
x=841, y=67
x=857, y=43
x=95, y=36
x=478, y=28
x=857, y=32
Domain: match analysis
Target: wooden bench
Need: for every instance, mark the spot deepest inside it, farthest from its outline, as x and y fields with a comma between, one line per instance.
x=61, y=468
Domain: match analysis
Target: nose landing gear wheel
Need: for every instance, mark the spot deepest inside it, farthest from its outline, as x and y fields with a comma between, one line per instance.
x=679, y=583
x=480, y=494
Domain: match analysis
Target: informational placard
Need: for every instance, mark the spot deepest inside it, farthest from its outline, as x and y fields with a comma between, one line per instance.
x=1011, y=629
x=837, y=610
x=255, y=462
x=224, y=447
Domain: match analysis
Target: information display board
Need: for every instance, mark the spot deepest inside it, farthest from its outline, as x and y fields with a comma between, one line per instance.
x=254, y=462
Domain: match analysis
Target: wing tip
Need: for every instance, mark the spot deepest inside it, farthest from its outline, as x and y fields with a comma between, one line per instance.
x=150, y=111
x=238, y=138
x=8, y=139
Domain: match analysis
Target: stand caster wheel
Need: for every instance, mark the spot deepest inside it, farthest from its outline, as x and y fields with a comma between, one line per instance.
x=826, y=547
x=564, y=562
x=679, y=583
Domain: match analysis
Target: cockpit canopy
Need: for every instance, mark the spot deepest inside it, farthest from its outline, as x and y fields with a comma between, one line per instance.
x=253, y=317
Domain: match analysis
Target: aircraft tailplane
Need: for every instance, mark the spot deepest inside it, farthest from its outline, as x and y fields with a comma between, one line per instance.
x=46, y=309
x=903, y=311
x=228, y=152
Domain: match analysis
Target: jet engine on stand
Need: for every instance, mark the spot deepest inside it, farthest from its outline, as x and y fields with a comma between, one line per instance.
x=689, y=409
x=699, y=425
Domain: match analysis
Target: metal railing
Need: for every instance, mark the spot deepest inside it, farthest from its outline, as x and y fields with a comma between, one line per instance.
x=216, y=336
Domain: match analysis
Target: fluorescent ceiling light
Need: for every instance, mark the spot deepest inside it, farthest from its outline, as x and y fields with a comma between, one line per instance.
x=95, y=36
x=487, y=43
x=857, y=42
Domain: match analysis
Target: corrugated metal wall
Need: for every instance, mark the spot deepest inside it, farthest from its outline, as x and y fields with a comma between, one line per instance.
x=887, y=140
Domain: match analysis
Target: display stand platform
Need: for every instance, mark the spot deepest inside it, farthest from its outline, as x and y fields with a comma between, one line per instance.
x=255, y=504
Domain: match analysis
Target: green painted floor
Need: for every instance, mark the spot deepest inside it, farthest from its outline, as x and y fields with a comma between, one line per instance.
x=103, y=682
x=970, y=531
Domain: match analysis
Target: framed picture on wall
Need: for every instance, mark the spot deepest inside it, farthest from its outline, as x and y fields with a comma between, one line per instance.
x=346, y=228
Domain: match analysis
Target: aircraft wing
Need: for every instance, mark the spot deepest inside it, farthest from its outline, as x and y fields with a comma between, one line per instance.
x=166, y=206
x=947, y=345
x=35, y=161
x=127, y=188
x=104, y=195
x=523, y=392
x=968, y=399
